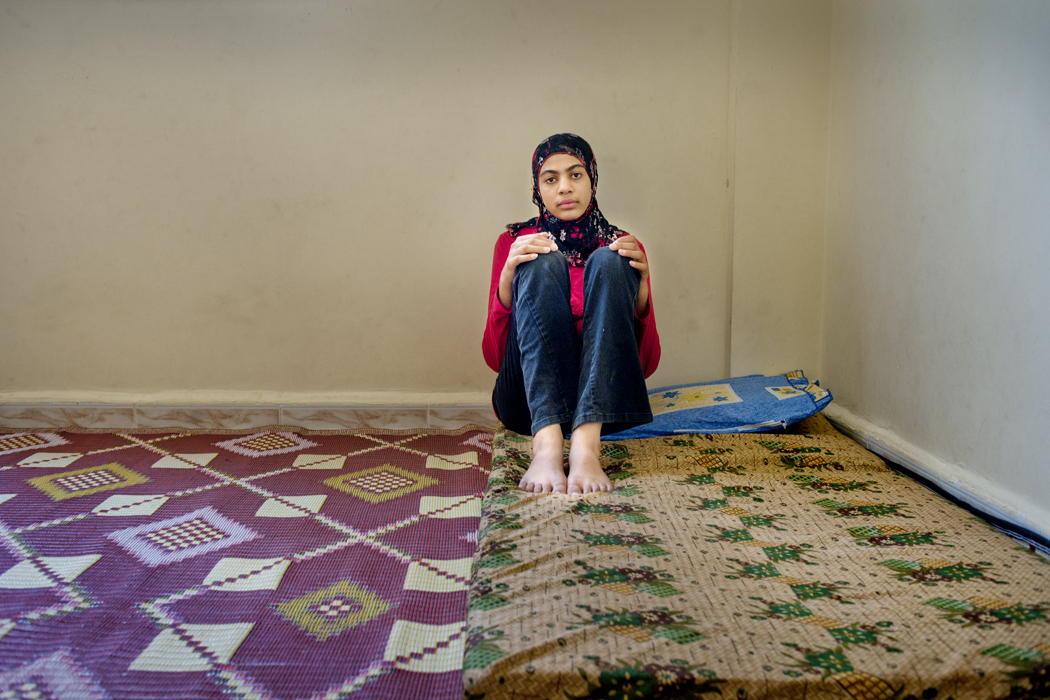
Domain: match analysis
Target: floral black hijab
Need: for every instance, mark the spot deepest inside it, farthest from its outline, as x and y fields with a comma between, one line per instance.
x=578, y=238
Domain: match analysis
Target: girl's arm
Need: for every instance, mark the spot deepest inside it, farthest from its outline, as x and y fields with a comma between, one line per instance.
x=629, y=247
x=510, y=252
x=648, y=339
x=523, y=249
x=494, y=342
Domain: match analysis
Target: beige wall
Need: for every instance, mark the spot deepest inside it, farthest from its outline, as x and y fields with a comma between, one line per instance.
x=272, y=201
x=779, y=117
x=280, y=201
x=936, y=322
x=296, y=202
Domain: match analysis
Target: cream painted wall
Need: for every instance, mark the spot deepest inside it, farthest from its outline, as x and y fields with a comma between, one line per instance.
x=779, y=118
x=936, y=322
x=283, y=202
x=274, y=201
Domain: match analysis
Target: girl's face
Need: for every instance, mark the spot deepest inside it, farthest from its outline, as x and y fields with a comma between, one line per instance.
x=565, y=186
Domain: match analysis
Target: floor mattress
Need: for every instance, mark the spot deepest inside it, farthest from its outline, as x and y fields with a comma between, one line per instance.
x=778, y=565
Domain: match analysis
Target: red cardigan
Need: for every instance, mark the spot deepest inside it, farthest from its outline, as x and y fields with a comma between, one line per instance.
x=494, y=344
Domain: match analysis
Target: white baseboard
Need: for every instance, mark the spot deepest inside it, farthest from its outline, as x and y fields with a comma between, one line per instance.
x=228, y=397
x=955, y=480
x=245, y=416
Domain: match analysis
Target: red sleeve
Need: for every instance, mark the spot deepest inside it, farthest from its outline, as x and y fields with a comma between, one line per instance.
x=649, y=340
x=494, y=342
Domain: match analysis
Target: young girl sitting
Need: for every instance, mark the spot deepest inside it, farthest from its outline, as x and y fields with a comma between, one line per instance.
x=566, y=366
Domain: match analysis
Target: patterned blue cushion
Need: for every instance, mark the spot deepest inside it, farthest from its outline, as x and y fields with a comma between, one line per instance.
x=739, y=405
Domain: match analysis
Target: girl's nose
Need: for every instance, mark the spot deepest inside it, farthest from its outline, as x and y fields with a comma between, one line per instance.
x=565, y=185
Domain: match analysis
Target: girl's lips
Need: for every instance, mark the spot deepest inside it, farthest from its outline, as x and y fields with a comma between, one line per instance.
x=567, y=204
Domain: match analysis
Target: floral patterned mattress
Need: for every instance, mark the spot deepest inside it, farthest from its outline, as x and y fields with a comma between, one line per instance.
x=779, y=565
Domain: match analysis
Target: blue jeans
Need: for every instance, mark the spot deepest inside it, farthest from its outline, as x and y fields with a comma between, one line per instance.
x=552, y=374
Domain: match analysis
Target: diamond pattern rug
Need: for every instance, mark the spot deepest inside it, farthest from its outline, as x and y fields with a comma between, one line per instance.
x=269, y=565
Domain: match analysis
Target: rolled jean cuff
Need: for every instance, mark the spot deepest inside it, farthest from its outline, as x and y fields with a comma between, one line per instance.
x=539, y=424
x=613, y=418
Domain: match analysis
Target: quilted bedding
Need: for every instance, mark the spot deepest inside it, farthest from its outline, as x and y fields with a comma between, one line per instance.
x=792, y=564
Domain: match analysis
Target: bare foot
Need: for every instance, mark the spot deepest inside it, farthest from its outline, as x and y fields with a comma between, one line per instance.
x=546, y=474
x=585, y=469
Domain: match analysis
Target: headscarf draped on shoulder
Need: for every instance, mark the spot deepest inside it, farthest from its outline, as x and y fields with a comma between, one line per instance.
x=578, y=238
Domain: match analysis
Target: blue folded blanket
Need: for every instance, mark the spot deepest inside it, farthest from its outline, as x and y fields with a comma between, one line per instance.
x=738, y=405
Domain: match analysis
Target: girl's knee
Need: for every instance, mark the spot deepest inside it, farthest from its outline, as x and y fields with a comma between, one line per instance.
x=609, y=260
x=553, y=262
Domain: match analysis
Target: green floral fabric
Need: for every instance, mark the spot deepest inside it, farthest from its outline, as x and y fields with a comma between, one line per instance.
x=786, y=565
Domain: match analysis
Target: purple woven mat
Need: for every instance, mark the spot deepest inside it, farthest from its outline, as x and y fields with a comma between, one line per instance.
x=275, y=564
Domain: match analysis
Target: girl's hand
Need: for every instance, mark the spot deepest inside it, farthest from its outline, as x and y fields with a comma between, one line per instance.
x=523, y=249
x=628, y=247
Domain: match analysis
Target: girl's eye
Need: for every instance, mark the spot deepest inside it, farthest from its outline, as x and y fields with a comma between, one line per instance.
x=576, y=175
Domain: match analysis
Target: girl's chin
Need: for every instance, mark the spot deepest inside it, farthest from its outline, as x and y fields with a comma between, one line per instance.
x=567, y=216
